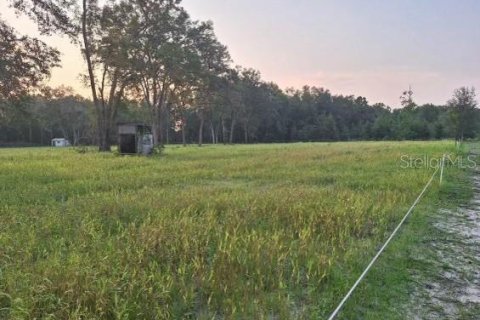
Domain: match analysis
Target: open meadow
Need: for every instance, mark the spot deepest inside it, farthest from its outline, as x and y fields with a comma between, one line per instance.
x=274, y=231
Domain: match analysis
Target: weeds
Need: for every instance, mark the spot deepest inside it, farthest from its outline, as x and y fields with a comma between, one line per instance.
x=224, y=232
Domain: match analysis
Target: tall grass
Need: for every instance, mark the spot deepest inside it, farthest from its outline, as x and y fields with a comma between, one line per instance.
x=224, y=232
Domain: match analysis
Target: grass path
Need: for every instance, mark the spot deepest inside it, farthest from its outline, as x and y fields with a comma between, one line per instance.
x=450, y=288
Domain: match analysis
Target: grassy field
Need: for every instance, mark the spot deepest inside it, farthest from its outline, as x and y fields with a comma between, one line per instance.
x=221, y=232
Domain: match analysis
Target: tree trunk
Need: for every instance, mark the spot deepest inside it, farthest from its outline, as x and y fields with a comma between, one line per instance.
x=30, y=133
x=212, y=130
x=76, y=136
x=200, y=130
x=156, y=135
x=232, y=127
x=103, y=132
x=184, y=138
x=161, y=132
x=103, y=122
x=103, y=143
x=224, y=132
x=104, y=138
x=217, y=133
x=167, y=131
x=167, y=136
x=245, y=132
x=156, y=129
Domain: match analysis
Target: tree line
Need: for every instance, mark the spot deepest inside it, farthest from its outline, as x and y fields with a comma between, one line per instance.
x=310, y=114
x=149, y=61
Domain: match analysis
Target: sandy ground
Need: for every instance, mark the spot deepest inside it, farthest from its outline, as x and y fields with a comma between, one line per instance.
x=451, y=290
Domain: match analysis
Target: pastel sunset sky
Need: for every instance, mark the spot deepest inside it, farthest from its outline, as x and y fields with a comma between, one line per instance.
x=372, y=48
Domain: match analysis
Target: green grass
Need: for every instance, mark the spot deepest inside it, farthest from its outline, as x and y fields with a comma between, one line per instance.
x=386, y=292
x=236, y=232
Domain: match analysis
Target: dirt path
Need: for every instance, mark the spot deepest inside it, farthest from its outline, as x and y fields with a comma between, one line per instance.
x=451, y=287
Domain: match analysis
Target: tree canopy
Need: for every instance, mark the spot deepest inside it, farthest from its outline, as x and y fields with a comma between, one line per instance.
x=24, y=62
x=148, y=60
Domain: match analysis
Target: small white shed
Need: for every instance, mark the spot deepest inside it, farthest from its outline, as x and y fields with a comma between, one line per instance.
x=60, y=142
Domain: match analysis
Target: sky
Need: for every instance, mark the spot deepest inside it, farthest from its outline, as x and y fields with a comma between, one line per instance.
x=370, y=48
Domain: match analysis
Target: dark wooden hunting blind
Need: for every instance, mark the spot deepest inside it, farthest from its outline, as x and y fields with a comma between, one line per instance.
x=135, y=138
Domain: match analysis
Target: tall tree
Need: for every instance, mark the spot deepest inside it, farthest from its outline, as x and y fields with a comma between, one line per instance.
x=463, y=115
x=233, y=101
x=406, y=99
x=102, y=46
x=105, y=48
x=213, y=58
x=182, y=99
x=157, y=55
x=252, y=96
